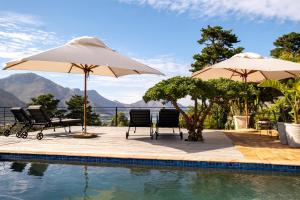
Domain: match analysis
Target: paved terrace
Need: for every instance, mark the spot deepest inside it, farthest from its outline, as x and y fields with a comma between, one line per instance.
x=218, y=146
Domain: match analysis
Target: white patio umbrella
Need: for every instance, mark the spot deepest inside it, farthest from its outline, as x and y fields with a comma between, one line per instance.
x=250, y=67
x=84, y=55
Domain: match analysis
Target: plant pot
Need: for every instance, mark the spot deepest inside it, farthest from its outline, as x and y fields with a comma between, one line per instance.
x=241, y=122
x=282, y=133
x=293, y=134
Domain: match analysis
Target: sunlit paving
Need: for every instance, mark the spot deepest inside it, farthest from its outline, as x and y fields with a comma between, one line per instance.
x=140, y=99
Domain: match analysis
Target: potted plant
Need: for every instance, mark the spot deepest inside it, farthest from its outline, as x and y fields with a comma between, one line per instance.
x=291, y=92
x=281, y=111
x=241, y=103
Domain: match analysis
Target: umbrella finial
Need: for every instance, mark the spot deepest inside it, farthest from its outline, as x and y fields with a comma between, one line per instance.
x=87, y=41
x=249, y=55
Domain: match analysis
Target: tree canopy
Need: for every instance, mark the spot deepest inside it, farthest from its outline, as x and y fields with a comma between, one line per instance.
x=76, y=109
x=287, y=47
x=48, y=102
x=218, y=46
x=201, y=92
x=121, y=120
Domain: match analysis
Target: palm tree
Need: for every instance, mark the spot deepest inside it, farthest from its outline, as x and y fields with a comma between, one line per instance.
x=291, y=92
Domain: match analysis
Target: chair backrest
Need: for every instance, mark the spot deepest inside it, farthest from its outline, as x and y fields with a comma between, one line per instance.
x=168, y=118
x=20, y=115
x=38, y=114
x=140, y=117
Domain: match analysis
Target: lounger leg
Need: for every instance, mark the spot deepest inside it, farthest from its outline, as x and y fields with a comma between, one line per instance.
x=43, y=128
x=24, y=131
x=180, y=133
x=151, y=132
x=127, y=133
x=156, y=132
x=7, y=131
x=40, y=135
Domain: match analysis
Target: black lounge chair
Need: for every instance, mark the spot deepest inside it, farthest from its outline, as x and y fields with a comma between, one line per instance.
x=23, y=120
x=41, y=118
x=168, y=118
x=140, y=118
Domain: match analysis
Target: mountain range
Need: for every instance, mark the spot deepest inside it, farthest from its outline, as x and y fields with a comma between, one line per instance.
x=18, y=89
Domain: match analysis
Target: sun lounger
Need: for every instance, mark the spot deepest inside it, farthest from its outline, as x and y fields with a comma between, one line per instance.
x=140, y=118
x=168, y=118
x=22, y=121
x=41, y=118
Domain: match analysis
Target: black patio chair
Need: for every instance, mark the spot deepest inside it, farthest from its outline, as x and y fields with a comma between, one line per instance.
x=22, y=120
x=41, y=118
x=168, y=118
x=140, y=118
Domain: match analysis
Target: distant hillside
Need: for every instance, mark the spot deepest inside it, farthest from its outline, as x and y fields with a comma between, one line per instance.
x=142, y=103
x=9, y=100
x=28, y=85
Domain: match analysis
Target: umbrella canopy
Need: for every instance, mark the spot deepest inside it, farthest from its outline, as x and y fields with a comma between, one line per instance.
x=86, y=55
x=82, y=53
x=250, y=67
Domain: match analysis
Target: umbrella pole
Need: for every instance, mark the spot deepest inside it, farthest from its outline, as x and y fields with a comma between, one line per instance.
x=85, y=101
x=85, y=134
x=246, y=104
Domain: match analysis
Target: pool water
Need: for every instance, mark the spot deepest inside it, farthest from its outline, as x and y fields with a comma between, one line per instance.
x=21, y=180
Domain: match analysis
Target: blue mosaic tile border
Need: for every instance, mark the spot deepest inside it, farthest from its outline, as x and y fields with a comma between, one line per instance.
x=154, y=162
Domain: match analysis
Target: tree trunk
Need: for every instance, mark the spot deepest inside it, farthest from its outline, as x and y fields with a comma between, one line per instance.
x=195, y=135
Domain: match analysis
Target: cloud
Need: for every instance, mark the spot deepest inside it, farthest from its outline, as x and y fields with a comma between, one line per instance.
x=266, y=9
x=22, y=34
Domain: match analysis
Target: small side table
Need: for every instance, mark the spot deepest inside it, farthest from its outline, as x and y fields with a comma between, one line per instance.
x=264, y=125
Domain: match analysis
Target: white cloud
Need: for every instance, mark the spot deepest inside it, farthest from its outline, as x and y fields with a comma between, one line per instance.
x=22, y=34
x=12, y=18
x=271, y=9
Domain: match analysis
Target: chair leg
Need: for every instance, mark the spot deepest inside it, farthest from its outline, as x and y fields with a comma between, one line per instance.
x=127, y=133
x=180, y=133
x=69, y=129
x=24, y=131
x=156, y=132
x=40, y=135
x=151, y=132
x=134, y=129
x=173, y=130
x=54, y=128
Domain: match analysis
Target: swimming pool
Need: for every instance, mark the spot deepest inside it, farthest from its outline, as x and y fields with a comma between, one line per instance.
x=25, y=180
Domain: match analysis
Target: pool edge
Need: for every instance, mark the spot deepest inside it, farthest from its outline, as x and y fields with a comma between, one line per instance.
x=154, y=162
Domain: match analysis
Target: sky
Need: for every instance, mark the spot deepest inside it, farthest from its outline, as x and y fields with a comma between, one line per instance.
x=160, y=33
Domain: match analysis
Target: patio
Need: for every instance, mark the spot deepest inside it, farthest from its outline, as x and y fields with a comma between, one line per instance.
x=218, y=146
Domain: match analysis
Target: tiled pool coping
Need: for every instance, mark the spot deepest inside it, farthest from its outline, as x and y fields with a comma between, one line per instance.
x=153, y=162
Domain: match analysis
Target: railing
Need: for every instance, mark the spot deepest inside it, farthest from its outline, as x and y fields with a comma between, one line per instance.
x=105, y=113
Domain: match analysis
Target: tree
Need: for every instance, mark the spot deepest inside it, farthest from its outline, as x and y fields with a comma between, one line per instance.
x=218, y=46
x=48, y=102
x=203, y=93
x=75, y=107
x=291, y=92
x=287, y=47
x=121, y=119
